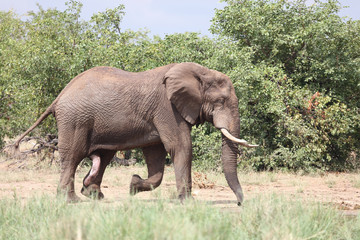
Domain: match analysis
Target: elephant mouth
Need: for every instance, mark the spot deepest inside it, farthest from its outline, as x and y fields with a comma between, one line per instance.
x=236, y=140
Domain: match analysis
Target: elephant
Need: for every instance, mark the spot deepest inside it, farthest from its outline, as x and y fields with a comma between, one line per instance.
x=105, y=109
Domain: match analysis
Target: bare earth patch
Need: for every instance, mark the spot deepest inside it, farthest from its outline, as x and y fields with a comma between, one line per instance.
x=339, y=190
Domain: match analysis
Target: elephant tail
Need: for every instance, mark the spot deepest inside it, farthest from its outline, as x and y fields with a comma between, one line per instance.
x=47, y=112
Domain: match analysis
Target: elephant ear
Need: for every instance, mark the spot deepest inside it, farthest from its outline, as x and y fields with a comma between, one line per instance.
x=183, y=84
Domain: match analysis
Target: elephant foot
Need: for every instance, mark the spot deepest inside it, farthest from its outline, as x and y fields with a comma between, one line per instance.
x=136, y=184
x=73, y=199
x=140, y=185
x=93, y=191
x=69, y=196
x=185, y=197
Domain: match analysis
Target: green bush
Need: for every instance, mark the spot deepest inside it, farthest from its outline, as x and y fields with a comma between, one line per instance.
x=206, y=142
x=297, y=80
x=295, y=68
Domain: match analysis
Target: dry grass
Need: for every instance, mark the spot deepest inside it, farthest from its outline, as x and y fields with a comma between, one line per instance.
x=33, y=178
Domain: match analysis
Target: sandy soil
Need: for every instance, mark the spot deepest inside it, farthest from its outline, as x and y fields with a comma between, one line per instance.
x=340, y=190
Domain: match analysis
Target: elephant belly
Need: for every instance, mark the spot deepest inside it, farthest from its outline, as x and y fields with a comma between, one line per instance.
x=124, y=136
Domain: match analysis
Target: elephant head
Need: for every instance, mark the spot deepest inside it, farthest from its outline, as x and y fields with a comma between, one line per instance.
x=201, y=94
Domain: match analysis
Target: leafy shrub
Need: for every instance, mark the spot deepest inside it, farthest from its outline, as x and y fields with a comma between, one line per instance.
x=297, y=80
x=295, y=68
x=206, y=142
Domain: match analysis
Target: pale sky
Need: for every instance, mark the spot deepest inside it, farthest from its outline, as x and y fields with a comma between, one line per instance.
x=160, y=17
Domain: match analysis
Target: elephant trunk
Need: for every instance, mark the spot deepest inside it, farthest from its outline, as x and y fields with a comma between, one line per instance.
x=229, y=160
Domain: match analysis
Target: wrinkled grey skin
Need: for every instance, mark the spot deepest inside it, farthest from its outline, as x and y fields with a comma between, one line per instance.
x=105, y=109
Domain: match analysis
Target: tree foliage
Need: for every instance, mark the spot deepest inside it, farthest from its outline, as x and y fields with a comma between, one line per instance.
x=295, y=68
x=300, y=84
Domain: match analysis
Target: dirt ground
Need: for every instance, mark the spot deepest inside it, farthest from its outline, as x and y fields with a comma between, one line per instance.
x=339, y=190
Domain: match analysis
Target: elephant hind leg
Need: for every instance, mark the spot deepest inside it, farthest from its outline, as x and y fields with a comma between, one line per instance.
x=92, y=181
x=69, y=164
x=155, y=160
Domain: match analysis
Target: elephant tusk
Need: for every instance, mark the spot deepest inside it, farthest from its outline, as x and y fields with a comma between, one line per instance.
x=234, y=139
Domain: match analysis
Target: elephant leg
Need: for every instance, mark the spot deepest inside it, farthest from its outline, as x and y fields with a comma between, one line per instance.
x=66, y=184
x=177, y=142
x=73, y=148
x=155, y=161
x=182, y=165
x=180, y=149
x=92, y=181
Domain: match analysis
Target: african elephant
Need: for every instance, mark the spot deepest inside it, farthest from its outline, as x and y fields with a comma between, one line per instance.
x=105, y=109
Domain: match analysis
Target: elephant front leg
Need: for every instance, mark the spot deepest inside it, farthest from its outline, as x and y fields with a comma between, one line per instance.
x=177, y=142
x=92, y=181
x=182, y=165
x=155, y=160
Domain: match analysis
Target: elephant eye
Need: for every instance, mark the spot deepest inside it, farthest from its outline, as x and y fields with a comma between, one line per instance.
x=220, y=101
x=221, y=83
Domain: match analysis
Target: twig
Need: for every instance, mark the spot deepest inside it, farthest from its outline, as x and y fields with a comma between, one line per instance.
x=49, y=143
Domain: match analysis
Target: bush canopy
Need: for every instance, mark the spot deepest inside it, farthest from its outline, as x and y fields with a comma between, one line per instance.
x=295, y=68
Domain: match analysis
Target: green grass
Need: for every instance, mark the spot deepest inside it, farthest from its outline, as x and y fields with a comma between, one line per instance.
x=266, y=217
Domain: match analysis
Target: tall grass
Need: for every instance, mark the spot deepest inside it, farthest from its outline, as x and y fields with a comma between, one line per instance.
x=269, y=217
